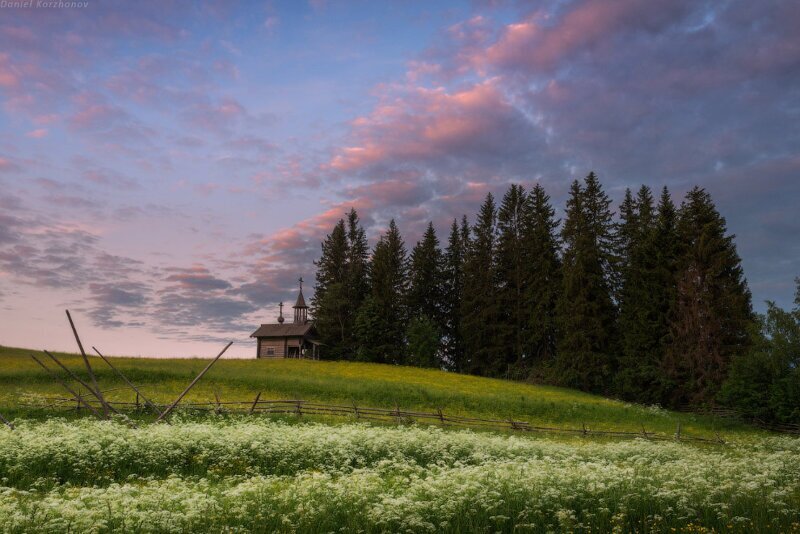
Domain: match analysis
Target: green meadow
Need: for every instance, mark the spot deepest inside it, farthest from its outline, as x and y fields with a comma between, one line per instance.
x=24, y=387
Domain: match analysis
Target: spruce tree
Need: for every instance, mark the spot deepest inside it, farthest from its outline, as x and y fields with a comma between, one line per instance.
x=511, y=271
x=648, y=286
x=586, y=310
x=426, y=291
x=382, y=320
x=626, y=236
x=712, y=312
x=453, y=283
x=423, y=343
x=479, y=307
x=543, y=279
x=357, y=261
x=330, y=306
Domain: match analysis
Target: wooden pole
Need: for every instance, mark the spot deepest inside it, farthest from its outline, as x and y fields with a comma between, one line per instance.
x=219, y=406
x=125, y=379
x=6, y=421
x=190, y=386
x=57, y=379
x=88, y=365
x=255, y=403
x=81, y=382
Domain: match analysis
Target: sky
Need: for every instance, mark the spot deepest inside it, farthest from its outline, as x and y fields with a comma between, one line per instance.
x=169, y=169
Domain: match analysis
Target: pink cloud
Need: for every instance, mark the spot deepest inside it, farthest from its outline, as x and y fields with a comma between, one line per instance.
x=196, y=277
x=94, y=112
x=398, y=191
x=6, y=165
x=426, y=123
x=9, y=75
x=206, y=189
x=45, y=119
x=216, y=117
x=38, y=133
x=540, y=43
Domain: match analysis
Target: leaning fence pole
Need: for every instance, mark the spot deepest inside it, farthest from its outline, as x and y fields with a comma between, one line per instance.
x=81, y=382
x=255, y=403
x=125, y=379
x=190, y=386
x=88, y=365
x=57, y=379
x=6, y=421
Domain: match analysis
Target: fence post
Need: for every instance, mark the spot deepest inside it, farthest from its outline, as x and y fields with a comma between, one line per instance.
x=441, y=415
x=584, y=429
x=678, y=432
x=397, y=412
x=355, y=410
x=138, y=408
x=255, y=403
x=298, y=409
x=218, y=409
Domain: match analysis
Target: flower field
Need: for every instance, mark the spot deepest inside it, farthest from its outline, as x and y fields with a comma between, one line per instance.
x=256, y=474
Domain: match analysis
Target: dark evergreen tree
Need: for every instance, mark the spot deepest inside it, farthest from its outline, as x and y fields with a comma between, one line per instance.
x=628, y=231
x=543, y=279
x=647, y=291
x=423, y=342
x=511, y=275
x=330, y=306
x=381, y=323
x=479, y=307
x=357, y=262
x=586, y=310
x=711, y=315
x=602, y=232
x=453, y=283
x=426, y=279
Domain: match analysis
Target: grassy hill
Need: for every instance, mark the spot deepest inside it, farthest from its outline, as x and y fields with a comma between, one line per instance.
x=23, y=384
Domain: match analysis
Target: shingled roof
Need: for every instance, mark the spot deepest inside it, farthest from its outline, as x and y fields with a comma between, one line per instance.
x=301, y=301
x=282, y=330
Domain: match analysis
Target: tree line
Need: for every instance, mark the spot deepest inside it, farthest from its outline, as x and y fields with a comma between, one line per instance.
x=651, y=306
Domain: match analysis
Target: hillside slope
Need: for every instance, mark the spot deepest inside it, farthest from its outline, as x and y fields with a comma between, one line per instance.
x=23, y=383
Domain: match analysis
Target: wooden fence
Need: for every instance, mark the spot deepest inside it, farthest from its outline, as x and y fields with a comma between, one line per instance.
x=727, y=413
x=300, y=408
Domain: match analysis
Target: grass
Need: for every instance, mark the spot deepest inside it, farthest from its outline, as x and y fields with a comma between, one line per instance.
x=22, y=382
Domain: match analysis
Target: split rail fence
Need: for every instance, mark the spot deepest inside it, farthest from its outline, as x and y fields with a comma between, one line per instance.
x=299, y=408
x=727, y=413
